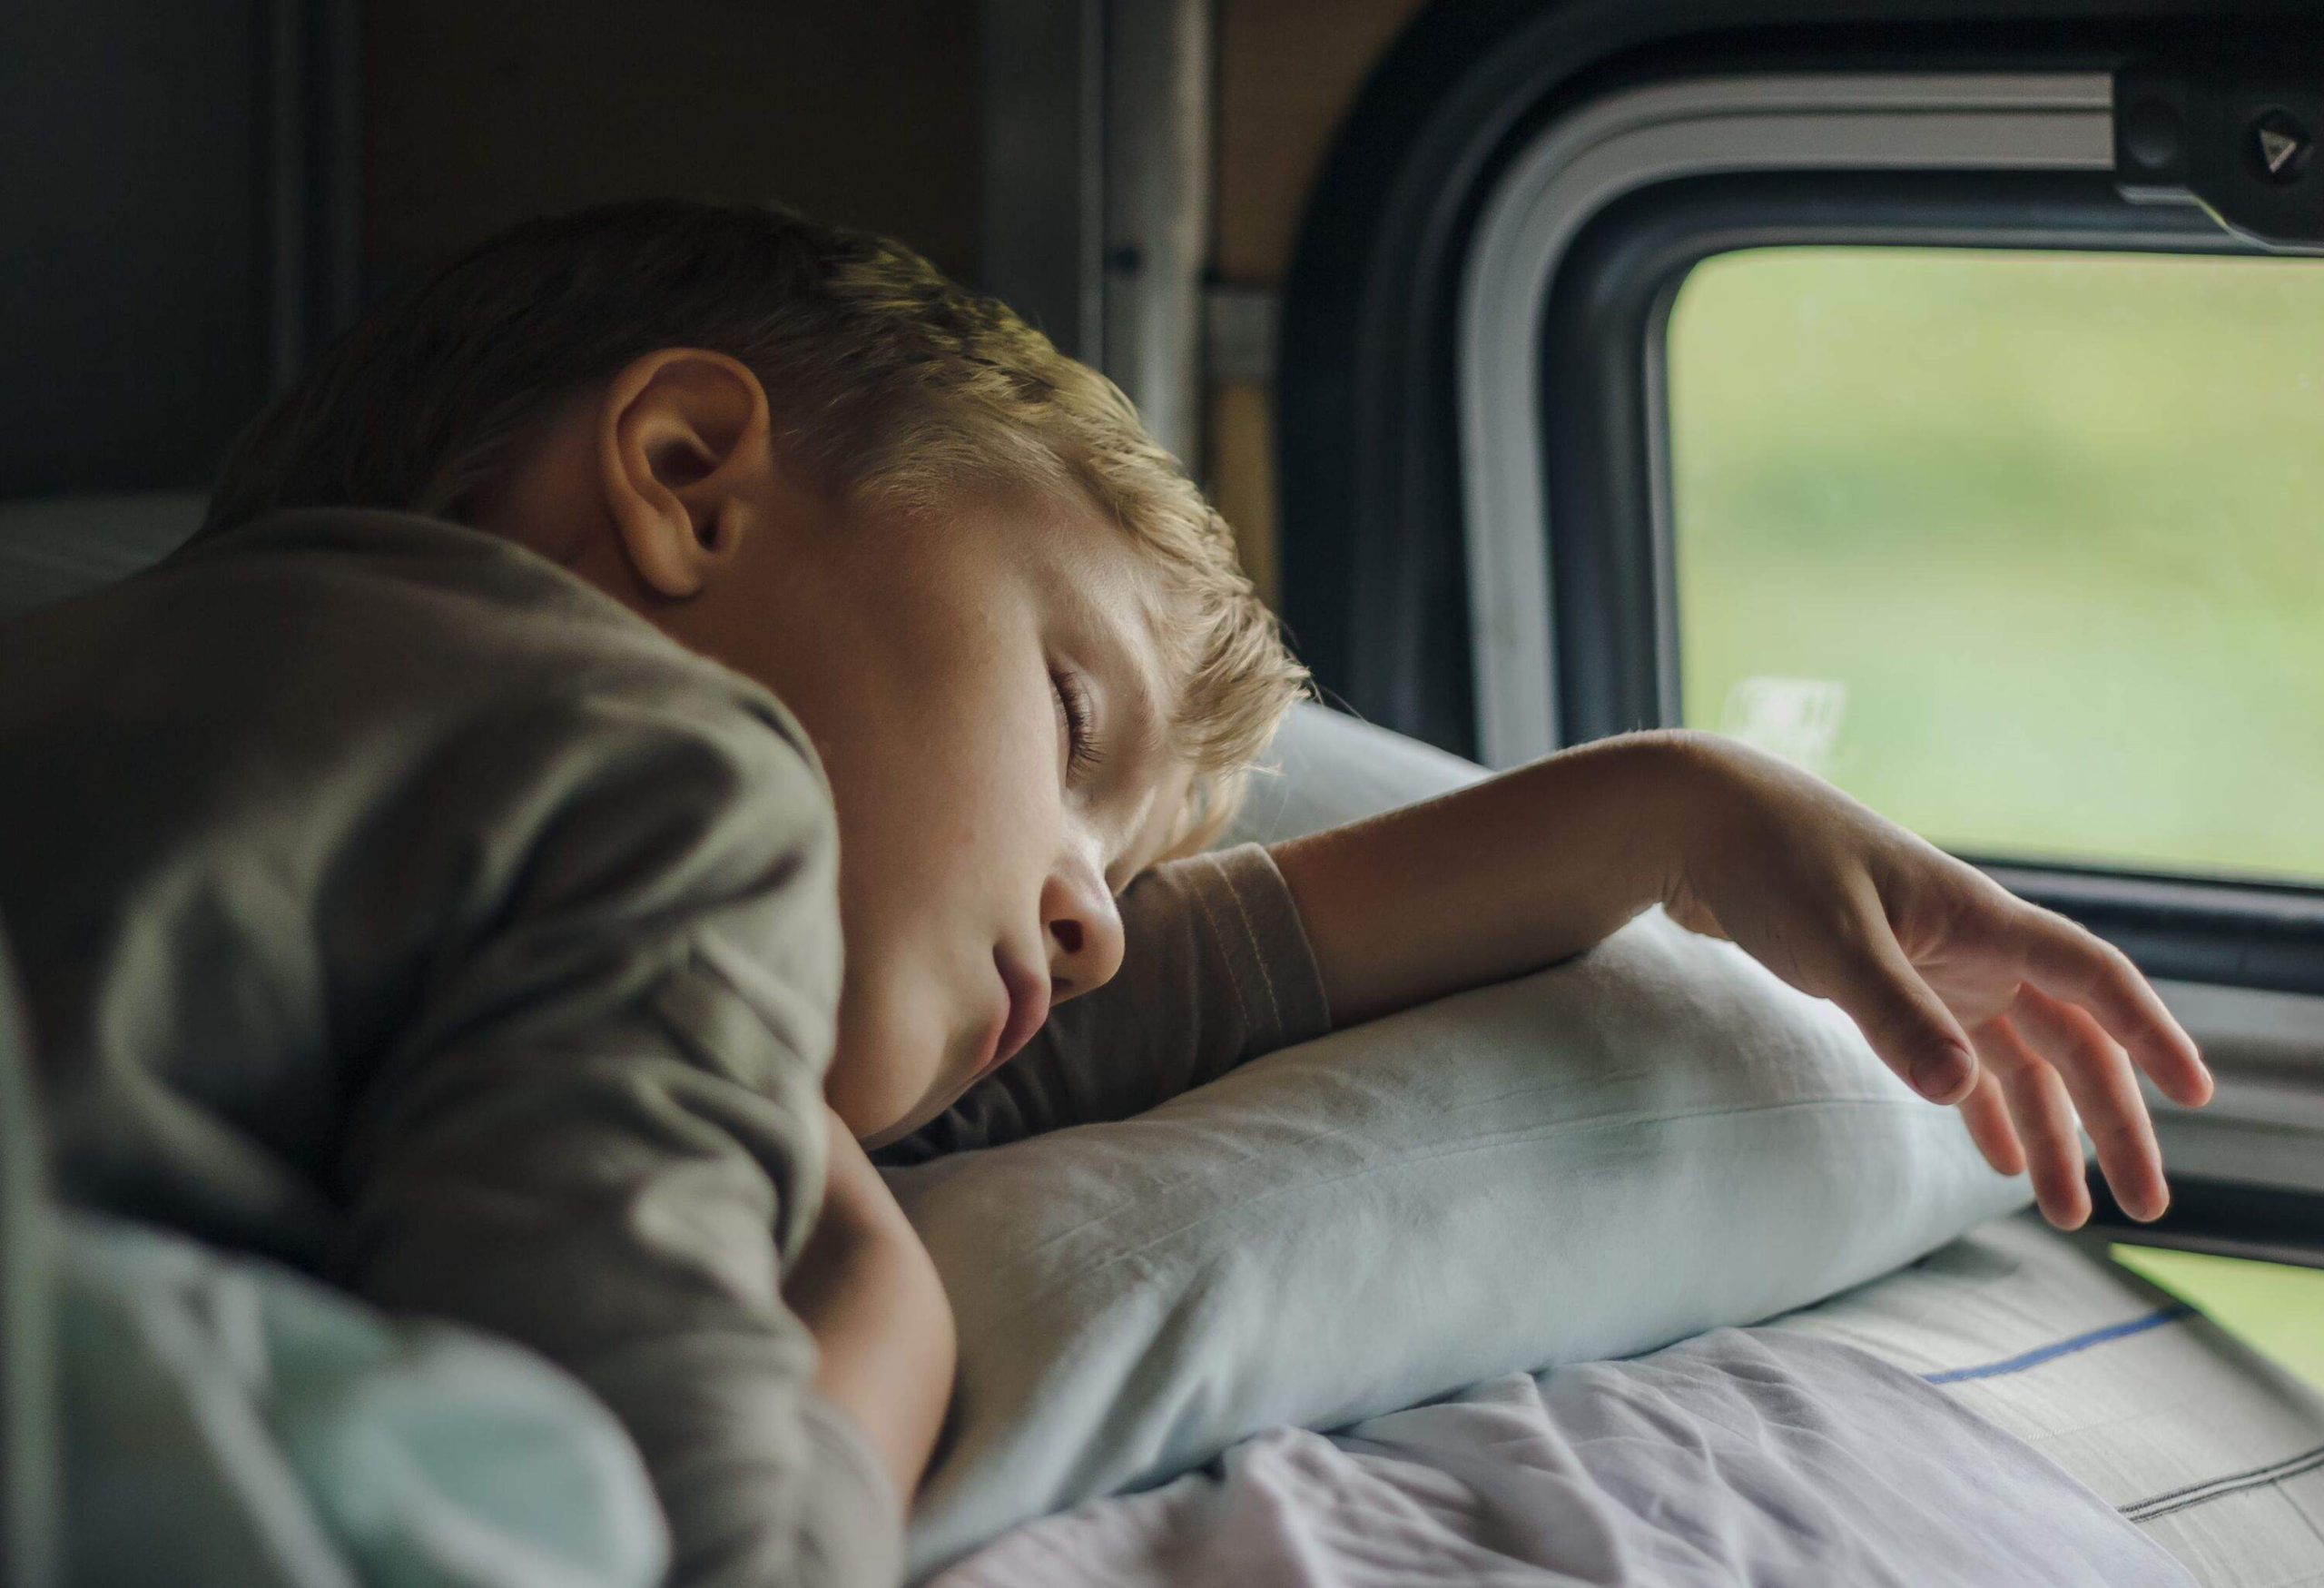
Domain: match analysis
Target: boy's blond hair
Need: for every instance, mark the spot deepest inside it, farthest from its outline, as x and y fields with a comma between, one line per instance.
x=887, y=379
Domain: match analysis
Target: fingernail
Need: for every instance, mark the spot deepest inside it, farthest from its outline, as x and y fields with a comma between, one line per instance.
x=1940, y=1075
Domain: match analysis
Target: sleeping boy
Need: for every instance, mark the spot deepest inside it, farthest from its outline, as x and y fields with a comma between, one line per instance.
x=680, y=697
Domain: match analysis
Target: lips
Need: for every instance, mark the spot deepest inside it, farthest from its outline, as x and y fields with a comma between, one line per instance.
x=1028, y=1007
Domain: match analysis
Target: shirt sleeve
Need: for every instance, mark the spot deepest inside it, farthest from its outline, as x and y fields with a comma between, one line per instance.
x=601, y=1135
x=1215, y=969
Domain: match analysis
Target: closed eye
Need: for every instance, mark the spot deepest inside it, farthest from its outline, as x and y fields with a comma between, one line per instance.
x=1083, y=753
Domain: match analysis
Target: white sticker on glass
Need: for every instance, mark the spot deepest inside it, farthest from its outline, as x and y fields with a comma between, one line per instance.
x=1796, y=718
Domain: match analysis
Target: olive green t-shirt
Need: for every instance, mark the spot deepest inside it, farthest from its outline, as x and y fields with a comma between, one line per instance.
x=388, y=901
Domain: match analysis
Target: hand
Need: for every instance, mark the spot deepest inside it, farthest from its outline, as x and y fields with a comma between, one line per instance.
x=869, y=1292
x=855, y=1193
x=1971, y=994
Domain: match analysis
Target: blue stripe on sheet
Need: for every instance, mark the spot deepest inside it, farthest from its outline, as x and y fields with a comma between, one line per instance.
x=2066, y=1347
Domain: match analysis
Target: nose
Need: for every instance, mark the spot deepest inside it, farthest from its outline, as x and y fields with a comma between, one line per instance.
x=1084, y=926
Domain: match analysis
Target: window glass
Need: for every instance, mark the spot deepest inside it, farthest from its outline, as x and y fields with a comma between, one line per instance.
x=2025, y=550
x=2276, y=1310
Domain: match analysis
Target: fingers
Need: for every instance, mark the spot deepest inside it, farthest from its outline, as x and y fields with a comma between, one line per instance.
x=2044, y=1121
x=1906, y=1023
x=2071, y=963
x=1986, y=1113
x=2097, y=1073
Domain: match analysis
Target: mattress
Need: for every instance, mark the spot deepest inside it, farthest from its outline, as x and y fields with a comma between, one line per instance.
x=2212, y=1452
x=1759, y=1456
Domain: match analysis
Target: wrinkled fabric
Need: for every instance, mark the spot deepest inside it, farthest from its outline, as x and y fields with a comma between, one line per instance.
x=252, y=1427
x=1598, y=1159
x=1740, y=1456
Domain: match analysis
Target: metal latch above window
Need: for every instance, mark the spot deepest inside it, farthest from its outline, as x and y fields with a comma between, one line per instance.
x=2237, y=137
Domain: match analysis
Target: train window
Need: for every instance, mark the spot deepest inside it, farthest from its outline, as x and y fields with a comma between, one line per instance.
x=2024, y=549
x=1863, y=416
x=2271, y=1306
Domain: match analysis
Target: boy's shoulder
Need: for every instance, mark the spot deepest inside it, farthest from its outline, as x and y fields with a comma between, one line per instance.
x=409, y=601
x=318, y=794
x=378, y=622
x=322, y=686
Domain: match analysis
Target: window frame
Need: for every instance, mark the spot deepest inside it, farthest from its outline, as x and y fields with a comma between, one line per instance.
x=1602, y=360
x=1606, y=459
x=1394, y=367
x=1561, y=184
x=1610, y=569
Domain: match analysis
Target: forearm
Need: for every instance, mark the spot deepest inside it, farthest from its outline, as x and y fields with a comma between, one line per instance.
x=1495, y=880
x=869, y=1293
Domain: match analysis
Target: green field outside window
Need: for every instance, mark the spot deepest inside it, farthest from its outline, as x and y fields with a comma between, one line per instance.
x=2024, y=550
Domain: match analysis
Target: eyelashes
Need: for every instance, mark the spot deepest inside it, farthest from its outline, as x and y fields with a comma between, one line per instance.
x=1082, y=751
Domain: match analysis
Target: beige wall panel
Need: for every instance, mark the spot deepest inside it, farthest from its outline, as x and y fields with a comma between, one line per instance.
x=1287, y=72
x=1241, y=447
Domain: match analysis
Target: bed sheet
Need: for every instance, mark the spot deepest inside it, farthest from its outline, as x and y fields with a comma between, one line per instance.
x=2213, y=1456
x=2214, y=1452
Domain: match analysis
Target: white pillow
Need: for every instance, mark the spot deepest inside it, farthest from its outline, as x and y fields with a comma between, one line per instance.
x=1326, y=769
x=1592, y=1161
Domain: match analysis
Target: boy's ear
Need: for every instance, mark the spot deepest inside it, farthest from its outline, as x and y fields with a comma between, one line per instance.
x=684, y=445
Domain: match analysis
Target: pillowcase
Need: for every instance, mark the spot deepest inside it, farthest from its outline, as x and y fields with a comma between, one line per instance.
x=1653, y=1140
x=1326, y=769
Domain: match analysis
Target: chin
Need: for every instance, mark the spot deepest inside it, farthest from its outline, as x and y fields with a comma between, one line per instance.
x=884, y=1118
x=889, y=1074
x=889, y=1137
x=928, y=1109
x=891, y=1134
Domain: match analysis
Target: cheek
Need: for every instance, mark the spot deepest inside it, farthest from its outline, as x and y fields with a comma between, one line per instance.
x=948, y=816
x=948, y=800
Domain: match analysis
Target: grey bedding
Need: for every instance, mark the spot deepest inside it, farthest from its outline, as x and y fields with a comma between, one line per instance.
x=2105, y=1395
x=1739, y=1456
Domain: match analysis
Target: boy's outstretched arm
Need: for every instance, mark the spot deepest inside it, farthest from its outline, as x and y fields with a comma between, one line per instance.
x=1972, y=995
